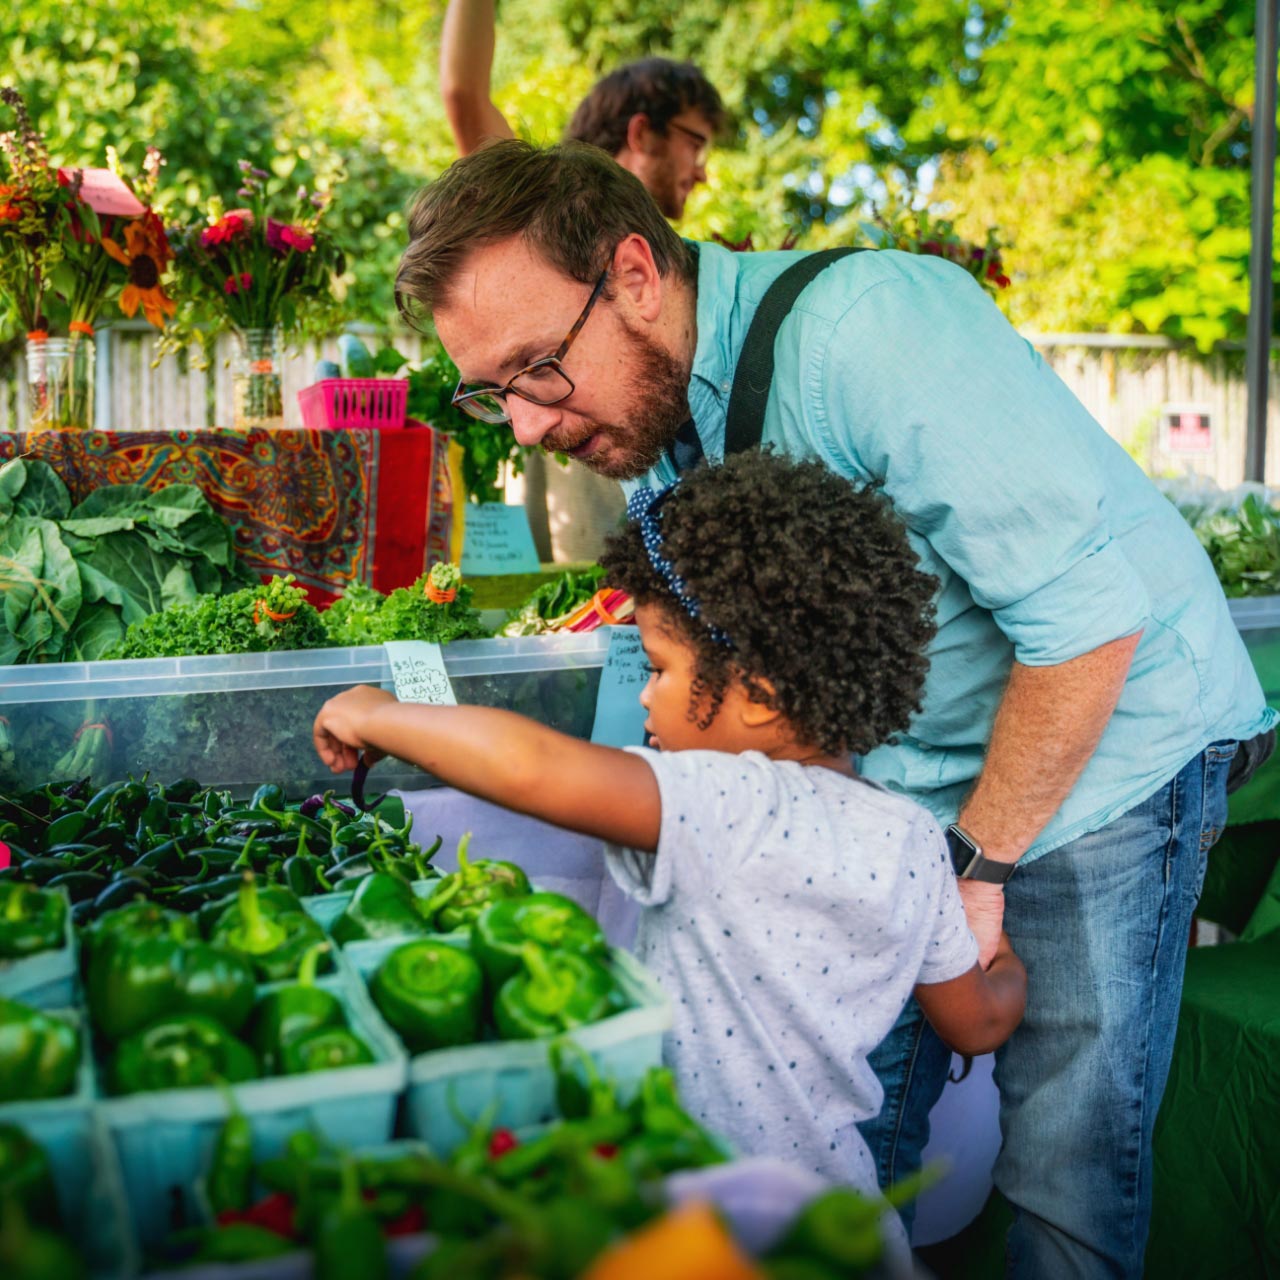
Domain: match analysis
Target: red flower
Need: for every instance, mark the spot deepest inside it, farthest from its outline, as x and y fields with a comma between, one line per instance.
x=281, y=237
x=227, y=228
x=238, y=284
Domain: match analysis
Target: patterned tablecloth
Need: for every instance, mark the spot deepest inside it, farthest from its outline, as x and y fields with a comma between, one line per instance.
x=332, y=507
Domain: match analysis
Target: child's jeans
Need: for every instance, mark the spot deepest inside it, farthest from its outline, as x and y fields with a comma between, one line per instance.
x=1102, y=926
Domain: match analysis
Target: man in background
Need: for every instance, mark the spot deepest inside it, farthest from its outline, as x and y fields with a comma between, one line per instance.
x=657, y=118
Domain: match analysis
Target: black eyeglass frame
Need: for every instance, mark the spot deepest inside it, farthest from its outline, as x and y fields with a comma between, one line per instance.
x=465, y=398
x=703, y=141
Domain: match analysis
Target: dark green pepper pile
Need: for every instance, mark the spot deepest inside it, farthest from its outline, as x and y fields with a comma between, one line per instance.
x=183, y=845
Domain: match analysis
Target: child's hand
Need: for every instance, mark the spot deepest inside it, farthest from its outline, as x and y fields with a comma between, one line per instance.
x=340, y=728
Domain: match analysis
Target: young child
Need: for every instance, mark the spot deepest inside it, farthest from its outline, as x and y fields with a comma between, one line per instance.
x=790, y=909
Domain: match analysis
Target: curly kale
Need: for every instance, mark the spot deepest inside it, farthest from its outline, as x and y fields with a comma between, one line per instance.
x=352, y=619
x=407, y=614
x=255, y=620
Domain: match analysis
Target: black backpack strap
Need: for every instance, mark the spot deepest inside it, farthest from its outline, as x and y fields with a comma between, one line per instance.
x=744, y=425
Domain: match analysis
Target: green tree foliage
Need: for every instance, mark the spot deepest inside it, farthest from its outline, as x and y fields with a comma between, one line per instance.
x=1108, y=141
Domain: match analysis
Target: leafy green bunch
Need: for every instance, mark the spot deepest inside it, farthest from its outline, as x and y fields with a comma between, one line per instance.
x=365, y=616
x=898, y=226
x=72, y=578
x=1244, y=546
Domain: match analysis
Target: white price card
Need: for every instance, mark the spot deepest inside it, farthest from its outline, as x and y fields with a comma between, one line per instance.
x=417, y=667
x=619, y=716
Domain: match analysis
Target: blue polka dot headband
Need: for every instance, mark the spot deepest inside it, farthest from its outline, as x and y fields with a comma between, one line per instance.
x=645, y=508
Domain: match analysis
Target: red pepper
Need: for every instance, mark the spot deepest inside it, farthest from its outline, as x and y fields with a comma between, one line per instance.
x=606, y=1150
x=409, y=1223
x=273, y=1213
x=503, y=1140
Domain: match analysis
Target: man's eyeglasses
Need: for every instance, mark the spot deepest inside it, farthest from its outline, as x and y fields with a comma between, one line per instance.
x=703, y=142
x=542, y=382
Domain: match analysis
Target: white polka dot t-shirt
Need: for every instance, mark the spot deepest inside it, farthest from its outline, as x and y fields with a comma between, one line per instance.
x=788, y=912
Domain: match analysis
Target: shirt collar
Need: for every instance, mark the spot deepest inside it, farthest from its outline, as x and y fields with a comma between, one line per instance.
x=714, y=355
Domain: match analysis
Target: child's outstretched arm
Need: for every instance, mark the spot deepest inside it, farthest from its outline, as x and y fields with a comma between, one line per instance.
x=977, y=1012
x=502, y=757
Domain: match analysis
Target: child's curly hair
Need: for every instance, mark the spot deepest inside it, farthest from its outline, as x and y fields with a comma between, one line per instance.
x=813, y=581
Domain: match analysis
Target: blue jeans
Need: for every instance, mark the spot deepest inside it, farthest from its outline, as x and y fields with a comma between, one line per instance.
x=1102, y=926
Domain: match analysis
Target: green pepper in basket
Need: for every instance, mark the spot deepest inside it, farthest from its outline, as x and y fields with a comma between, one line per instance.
x=230, y=1181
x=188, y=1051
x=25, y=1175
x=550, y=919
x=31, y=920
x=293, y=1011
x=326, y=1049
x=383, y=906
x=273, y=941
x=39, y=1054
x=132, y=982
x=430, y=993
x=131, y=922
x=465, y=893
x=557, y=992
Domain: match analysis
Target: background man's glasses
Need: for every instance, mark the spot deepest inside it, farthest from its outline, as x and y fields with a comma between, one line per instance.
x=704, y=143
x=542, y=382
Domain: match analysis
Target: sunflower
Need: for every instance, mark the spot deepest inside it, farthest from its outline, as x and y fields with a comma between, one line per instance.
x=146, y=254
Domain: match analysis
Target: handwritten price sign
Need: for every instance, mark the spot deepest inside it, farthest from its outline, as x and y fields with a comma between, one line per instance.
x=497, y=539
x=619, y=716
x=417, y=667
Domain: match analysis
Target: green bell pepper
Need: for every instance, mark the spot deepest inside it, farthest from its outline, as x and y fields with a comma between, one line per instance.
x=273, y=940
x=383, y=906
x=324, y=1049
x=465, y=893
x=430, y=993
x=557, y=991
x=39, y=1054
x=134, y=921
x=132, y=982
x=25, y=1176
x=286, y=1014
x=31, y=920
x=188, y=1051
x=553, y=921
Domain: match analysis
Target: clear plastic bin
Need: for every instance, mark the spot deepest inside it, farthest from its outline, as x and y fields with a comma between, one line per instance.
x=235, y=721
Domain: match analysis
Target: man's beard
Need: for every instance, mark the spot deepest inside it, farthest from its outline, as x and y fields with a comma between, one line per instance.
x=659, y=386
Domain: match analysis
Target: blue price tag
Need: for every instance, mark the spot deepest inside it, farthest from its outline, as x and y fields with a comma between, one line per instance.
x=619, y=716
x=417, y=667
x=496, y=539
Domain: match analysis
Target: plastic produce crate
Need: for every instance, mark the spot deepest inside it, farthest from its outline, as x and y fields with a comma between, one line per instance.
x=448, y=1087
x=234, y=721
x=46, y=980
x=164, y=1139
x=337, y=403
x=83, y=1164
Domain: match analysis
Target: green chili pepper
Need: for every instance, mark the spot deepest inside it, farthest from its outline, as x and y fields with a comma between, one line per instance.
x=326, y=1049
x=348, y=1242
x=66, y=829
x=465, y=893
x=549, y=919
x=556, y=992
x=230, y=1179
x=183, y=1052
x=840, y=1228
x=31, y=920
x=268, y=797
x=39, y=1054
x=383, y=906
x=291, y=1012
x=430, y=993
x=577, y=1096
x=25, y=1175
x=132, y=982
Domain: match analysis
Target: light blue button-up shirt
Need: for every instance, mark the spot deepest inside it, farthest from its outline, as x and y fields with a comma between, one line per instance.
x=1045, y=536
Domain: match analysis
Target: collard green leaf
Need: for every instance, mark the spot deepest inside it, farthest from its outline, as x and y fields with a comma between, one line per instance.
x=13, y=475
x=21, y=567
x=60, y=591
x=96, y=526
x=113, y=500
x=98, y=628
x=175, y=504
x=44, y=494
x=139, y=574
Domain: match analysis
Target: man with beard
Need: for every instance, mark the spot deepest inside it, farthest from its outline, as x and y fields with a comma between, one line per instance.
x=656, y=117
x=1088, y=700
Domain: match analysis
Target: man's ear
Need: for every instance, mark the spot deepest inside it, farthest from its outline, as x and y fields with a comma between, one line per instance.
x=635, y=274
x=640, y=134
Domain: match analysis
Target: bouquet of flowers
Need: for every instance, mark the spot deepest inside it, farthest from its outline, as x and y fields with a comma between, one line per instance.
x=259, y=276
x=65, y=235
x=916, y=231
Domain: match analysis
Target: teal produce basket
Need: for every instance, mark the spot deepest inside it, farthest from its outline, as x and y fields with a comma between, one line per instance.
x=46, y=980
x=164, y=1140
x=83, y=1164
x=450, y=1087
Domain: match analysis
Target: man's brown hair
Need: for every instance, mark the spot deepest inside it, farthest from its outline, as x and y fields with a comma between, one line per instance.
x=653, y=87
x=572, y=203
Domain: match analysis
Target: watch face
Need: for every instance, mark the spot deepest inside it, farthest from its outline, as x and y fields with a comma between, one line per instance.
x=963, y=850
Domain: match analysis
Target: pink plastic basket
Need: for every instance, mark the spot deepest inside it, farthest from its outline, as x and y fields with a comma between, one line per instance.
x=336, y=403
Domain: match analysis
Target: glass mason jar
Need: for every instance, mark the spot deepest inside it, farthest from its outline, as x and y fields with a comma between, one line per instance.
x=60, y=381
x=257, y=394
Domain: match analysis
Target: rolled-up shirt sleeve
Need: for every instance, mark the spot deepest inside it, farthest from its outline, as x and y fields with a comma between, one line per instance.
x=927, y=390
